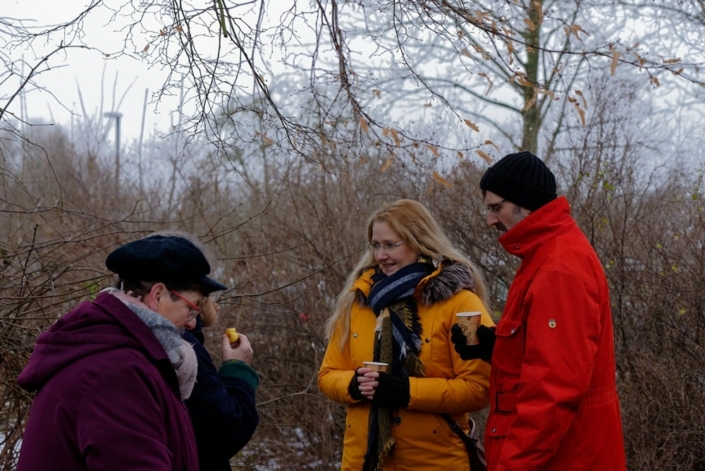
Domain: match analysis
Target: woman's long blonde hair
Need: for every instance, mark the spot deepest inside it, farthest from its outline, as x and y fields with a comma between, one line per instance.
x=421, y=233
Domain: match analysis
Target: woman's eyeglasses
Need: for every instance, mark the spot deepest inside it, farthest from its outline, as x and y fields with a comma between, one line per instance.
x=387, y=247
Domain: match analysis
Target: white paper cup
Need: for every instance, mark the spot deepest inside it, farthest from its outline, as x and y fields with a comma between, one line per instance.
x=375, y=366
x=469, y=322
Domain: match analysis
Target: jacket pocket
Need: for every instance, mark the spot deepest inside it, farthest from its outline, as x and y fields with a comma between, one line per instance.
x=498, y=425
x=508, y=328
x=509, y=348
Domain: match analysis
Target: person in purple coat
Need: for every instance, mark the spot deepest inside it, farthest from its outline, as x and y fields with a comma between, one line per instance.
x=111, y=376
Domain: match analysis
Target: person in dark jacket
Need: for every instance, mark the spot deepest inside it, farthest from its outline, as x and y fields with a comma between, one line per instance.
x=222, y=404
x=111, y=375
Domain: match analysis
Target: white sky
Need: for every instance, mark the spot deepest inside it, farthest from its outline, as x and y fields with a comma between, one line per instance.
x=85, y=68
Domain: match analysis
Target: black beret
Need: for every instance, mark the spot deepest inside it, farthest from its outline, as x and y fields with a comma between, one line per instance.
x=162, y=258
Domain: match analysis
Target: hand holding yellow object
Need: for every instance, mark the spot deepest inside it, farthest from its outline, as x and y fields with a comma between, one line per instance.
x=232, y=334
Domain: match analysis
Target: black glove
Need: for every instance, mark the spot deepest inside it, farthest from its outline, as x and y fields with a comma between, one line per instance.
x=482, y=351
x=392, y=391
x=354, y=388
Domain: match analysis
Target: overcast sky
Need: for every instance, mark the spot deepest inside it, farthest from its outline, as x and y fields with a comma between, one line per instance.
x=57, y=95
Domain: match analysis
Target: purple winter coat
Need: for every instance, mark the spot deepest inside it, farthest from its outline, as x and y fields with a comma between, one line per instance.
x=108, y=397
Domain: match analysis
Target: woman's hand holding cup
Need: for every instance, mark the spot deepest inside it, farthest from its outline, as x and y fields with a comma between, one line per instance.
x=368, y=377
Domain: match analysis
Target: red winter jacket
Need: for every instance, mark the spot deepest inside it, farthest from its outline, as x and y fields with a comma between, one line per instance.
x=553, y=395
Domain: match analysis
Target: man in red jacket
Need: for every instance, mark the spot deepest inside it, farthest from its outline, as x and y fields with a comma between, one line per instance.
x=553, y=396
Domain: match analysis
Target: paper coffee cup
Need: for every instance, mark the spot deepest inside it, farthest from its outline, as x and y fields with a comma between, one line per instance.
x=375, y=366
x=469, y=322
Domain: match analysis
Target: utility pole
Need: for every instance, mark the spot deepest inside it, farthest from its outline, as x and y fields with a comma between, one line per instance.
x=117, y=116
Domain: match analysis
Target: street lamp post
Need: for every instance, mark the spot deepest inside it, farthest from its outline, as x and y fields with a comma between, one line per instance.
x=117, y=116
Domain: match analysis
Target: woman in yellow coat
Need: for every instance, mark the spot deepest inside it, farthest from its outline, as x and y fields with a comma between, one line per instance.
x=397, y=307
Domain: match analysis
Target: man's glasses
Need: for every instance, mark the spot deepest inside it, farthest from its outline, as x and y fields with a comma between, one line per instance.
x=387, y=247
x=194, y=310
x=494, y=207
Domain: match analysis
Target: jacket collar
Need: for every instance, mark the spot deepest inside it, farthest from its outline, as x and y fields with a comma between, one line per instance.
x=446, y=280
x=538, y=228
x=138, y=329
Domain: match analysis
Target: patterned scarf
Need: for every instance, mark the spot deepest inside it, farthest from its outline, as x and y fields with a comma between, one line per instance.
x=397, y=343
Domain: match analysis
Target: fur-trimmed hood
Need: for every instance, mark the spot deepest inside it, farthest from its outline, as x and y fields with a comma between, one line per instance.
x=446, y=280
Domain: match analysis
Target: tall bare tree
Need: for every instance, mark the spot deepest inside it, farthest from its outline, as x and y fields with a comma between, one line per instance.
x=364, y=74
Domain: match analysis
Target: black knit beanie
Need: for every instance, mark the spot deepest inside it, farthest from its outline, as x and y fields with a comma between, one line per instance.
x=521, y=178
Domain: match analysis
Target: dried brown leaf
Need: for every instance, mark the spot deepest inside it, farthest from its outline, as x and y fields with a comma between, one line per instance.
x=615, y=61
x=471, y=125
x=363, y=125
x=523, y=81
x=531, y=102
x=581, y=112
x=480, y=50
x=489, y=82
x=395, y=136
x=577, y=28
x=545, y=91
x=433, y=149
x=387, y=164
x=640, y=59
x=439, y=179
x=484, y=156
x=490, y=143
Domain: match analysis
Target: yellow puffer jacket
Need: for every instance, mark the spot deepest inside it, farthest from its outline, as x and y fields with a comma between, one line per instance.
x=450, y=385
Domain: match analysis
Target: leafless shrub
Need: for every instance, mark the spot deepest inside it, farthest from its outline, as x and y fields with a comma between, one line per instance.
x=285, y=239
